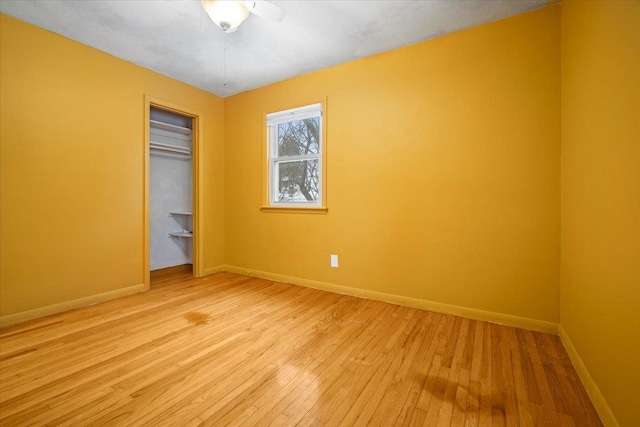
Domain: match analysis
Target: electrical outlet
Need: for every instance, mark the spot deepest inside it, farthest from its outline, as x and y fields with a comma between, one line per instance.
x=334, y=261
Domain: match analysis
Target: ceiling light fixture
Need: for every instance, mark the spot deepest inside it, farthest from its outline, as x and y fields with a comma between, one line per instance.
x=229, y=14
x=226, y=14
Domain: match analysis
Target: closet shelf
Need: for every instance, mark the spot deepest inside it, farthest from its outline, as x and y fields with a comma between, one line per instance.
x=180, y=213
x=167, y=126
x=181, y=234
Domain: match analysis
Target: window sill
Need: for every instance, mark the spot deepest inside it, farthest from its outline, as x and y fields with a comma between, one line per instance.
x=293, y=209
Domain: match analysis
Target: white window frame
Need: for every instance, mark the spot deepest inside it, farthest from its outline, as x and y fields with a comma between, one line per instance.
x=273, y=120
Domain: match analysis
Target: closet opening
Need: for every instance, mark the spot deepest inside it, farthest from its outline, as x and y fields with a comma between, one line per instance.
x=171, y=200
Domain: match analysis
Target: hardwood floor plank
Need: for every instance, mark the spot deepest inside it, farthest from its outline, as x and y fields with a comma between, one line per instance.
x=353, y=356
x=486, y=397
x=497, y=399
x=168, y=275
x=346, y=383
x=520, y=386
x=229, y=349
x=398, y=393
x=462, y=405
x=158, y=391
x=432, y=386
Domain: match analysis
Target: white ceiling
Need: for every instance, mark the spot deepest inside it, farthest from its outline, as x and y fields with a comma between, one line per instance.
x=176, y=37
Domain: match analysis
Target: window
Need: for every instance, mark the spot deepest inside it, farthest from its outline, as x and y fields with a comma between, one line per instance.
x=295, y=145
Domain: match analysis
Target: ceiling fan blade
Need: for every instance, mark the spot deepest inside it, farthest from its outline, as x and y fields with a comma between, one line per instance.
x=265, y=9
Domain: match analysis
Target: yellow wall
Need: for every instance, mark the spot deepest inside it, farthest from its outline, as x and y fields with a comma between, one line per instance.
x=443, y=178
x=443, y=172
x=600, y=254
x=72, y=132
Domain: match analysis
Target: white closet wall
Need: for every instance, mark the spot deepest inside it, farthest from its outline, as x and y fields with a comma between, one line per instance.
x=170, y=190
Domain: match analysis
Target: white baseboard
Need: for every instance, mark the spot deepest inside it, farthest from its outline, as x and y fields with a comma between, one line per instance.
x=36, y=313
x=472, y=313
x=606, y=414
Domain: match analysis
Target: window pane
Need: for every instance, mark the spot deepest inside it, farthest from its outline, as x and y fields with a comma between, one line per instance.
x=297, y=181
x=299, y=137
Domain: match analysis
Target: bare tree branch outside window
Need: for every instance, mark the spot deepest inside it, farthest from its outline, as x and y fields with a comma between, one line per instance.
x=298, y=179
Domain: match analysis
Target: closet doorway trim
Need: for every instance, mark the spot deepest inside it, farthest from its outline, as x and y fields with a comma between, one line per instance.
x=197, y=159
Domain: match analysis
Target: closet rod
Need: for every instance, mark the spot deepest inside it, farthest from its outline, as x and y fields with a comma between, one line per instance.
x=168, y=147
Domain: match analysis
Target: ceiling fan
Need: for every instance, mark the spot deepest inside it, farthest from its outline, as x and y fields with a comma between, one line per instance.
x=229, y=14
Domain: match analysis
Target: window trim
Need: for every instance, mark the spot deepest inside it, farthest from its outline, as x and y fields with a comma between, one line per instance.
x=270, y=203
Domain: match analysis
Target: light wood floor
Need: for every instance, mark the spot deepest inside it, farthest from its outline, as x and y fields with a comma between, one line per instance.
x=233, y=350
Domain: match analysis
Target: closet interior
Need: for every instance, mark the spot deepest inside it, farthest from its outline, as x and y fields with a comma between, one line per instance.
x=170, y=190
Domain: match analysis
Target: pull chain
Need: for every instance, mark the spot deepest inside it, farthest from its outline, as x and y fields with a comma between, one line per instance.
x=224, y=61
